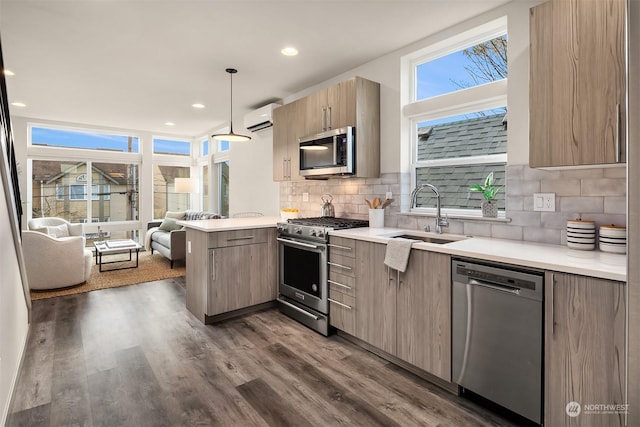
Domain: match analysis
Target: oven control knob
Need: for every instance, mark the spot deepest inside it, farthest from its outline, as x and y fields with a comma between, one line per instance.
x=297, y=230
x=312, y=232
x=320, y=233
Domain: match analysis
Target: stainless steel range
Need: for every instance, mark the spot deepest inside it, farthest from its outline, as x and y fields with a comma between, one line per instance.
x=302, y=258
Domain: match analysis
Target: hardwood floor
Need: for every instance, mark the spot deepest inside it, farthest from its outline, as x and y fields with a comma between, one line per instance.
x=134, y=356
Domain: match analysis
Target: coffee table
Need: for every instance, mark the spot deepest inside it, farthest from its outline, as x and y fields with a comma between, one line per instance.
x=113, y=247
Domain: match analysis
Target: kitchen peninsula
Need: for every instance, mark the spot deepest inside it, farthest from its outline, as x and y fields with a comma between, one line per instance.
x=231, y=266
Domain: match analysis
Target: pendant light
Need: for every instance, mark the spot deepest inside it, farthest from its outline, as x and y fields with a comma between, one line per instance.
x=231, y=136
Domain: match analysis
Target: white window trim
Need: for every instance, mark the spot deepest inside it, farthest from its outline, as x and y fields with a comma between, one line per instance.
x=478, y=34
x=464, y=101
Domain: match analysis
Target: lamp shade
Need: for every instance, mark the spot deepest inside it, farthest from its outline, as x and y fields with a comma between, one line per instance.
x=183, y=185
x=231, y=136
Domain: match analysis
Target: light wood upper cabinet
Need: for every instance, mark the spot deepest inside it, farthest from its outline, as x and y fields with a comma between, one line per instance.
x=577, y=83
x=288, y=126
x=584, y=348
x=353, y=102
x=423, y=308
x=334, y=107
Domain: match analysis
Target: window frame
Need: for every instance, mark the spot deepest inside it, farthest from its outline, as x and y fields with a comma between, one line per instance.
x=470, y=100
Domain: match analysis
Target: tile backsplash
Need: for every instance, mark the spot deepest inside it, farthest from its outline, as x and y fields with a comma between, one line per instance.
x=597, y=193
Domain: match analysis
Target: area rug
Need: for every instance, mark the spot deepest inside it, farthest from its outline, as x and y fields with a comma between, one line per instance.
x=150, y=268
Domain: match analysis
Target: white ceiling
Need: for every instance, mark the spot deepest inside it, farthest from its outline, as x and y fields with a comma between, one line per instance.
x=138, y=64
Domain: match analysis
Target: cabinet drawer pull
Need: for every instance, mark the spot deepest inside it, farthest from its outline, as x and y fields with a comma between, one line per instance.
x=339, y=303
x=339, y=265
x=553, y=304
x=324, y=118
x=339, y=284
x=347, y=248
x=618, y=131
x=240, y=238
x=213, y=266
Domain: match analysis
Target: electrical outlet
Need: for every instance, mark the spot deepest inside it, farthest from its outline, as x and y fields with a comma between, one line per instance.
x=305, y=197
x=544, y=202
x=389, y=195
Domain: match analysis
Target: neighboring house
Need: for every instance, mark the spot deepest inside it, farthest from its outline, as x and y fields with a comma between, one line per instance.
x=60, y=189
x=464, y=138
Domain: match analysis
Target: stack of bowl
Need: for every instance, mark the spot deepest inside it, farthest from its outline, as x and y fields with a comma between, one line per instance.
x=613, y=238
x=581, y=234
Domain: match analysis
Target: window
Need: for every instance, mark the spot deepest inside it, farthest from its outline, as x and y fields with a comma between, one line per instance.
x=223, y=145
x=64, y=138
x=77, y=192
x=205, y=187
x=223, y=187
x=59, y=189
x=165, y=198
x=204, y=148
x=170, y=146
x=458, y=117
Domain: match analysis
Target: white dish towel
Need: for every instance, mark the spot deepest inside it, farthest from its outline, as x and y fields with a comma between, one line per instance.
x=397, y=254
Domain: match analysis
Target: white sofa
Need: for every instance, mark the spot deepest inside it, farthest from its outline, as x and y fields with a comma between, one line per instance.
x=55, y=262
x=54, y=226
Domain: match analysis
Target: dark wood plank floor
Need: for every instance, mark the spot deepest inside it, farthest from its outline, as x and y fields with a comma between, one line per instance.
x=134, y=356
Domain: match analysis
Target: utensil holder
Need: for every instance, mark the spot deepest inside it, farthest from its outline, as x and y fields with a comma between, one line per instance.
x=376, y=218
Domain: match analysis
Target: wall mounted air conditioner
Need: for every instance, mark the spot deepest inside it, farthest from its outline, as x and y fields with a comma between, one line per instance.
x=260, y=118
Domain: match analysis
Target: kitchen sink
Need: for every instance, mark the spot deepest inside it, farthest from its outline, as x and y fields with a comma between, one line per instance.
x=425, y=239
x=439, y=239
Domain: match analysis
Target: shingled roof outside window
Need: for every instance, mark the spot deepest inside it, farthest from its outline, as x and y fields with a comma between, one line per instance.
x=473, y=137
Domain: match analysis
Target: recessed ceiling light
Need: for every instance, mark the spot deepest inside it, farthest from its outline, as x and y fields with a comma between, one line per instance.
x=169, y=124
x=8, y=72
x=197, y=105
x=289, y=51
x=19, y=104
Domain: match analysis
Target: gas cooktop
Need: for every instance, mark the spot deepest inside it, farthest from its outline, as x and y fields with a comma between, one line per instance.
x=335, y=223
x=317, y=228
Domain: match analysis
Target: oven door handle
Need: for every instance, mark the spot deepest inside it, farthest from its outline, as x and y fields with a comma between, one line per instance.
x=293, y=242
x=306, y=313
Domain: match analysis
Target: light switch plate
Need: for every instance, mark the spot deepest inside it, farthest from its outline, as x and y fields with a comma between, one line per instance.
x=305, y=197
x=544, y=202
x=389, y=195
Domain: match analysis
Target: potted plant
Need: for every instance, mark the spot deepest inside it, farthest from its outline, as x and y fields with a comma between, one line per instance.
x=489, y=191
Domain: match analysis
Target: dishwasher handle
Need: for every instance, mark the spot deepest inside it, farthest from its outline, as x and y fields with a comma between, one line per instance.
x=501, y=288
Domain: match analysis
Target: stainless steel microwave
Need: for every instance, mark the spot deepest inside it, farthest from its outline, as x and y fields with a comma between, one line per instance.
x=328, y=153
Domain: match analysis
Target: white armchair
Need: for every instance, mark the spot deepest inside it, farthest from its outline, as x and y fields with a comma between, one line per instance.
x=53, y=262
x=51, y=226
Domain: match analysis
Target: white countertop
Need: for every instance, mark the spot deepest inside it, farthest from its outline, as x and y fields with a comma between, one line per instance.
x=211, y=225
x=536, y=255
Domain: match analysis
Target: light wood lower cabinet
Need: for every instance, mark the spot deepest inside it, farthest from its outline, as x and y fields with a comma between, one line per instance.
x=376, y=297
x=342, y=284
x=240, y=277
x=408, y=314
x=230, y=270
x=584, y=349
x=423, y=313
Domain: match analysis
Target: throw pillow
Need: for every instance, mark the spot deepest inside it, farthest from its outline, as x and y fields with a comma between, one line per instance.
x=58, y=230
x=175, y=215
x=169, y=224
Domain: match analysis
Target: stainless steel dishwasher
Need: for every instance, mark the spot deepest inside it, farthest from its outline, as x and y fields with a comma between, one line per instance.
x=497, y=334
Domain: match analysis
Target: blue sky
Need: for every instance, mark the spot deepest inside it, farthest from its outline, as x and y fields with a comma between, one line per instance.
x=74, y=139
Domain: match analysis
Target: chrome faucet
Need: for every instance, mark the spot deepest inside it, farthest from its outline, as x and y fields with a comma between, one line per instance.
x=440, y=221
